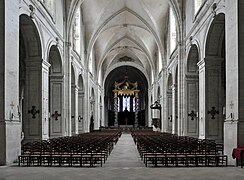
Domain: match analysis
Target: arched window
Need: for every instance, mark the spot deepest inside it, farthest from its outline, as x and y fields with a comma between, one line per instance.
x=128, y=103
x=172, y=30
x=76, y=31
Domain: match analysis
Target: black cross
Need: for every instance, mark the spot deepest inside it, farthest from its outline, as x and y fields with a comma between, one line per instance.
x=56, y=115
x=192, y=115
x=213, y=112
x=33, y=111
x=231, y=104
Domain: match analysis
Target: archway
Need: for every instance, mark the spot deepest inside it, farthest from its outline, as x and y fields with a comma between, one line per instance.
x=130, y=76
x=192, y=86
x=34, y=121
x=215, y=79
x=55, y=93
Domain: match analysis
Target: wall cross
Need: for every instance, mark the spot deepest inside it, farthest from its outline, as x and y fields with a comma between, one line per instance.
x=192, y=115
x=213, y=112
x=56, y=115
x=33, y=111
x=231, y=104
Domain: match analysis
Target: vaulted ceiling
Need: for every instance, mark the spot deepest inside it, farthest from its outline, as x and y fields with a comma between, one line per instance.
x=125, y=31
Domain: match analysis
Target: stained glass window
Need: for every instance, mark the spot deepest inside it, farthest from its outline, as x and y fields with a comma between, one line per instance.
x=124, y=103
x=128, y=103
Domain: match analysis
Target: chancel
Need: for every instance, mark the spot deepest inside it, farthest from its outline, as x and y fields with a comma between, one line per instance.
x=126, y=102
x=78, y=78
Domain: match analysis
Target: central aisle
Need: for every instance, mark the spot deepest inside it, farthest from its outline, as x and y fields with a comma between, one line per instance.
x=124, y=153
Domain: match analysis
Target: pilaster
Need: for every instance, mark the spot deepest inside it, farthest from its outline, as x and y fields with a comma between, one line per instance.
x=202, y=98
x=174, y=113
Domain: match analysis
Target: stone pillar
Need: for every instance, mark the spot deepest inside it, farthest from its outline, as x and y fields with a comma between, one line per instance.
x=233, y=126
x=74, y=110
x=116, y=124
x=136, y=109
x=45, y=99
x=181, y=108
x=10, y=125
x=174, y=113
x=202, y=98
x=241, y=74
x=66, y=89
x=86, y=100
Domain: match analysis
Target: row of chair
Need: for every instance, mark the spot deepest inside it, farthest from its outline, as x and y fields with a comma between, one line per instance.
x=165, y=149
x=89, y=149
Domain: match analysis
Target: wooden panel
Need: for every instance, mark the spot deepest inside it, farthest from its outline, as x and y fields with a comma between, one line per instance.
x=56, y=105
x=192, y=105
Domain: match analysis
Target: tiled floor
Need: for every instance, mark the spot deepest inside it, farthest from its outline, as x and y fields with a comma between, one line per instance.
x=122, y=164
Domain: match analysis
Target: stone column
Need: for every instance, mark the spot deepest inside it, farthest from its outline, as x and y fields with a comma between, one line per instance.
x=233, y=126
x=202, y=98
x=86, y=101
x=136, y=109
x=74, y=110
x=174, y=113
x=10, y=126
x=181, y=108
x=45, y=99
x=116, y=124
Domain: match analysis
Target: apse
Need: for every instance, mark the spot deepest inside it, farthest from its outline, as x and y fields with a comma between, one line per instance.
x=129, y=105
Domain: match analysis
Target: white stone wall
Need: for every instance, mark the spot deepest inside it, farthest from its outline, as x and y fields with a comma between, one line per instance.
x=10, y=124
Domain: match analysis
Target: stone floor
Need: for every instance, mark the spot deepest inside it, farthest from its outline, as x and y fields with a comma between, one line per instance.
x=123, y=163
